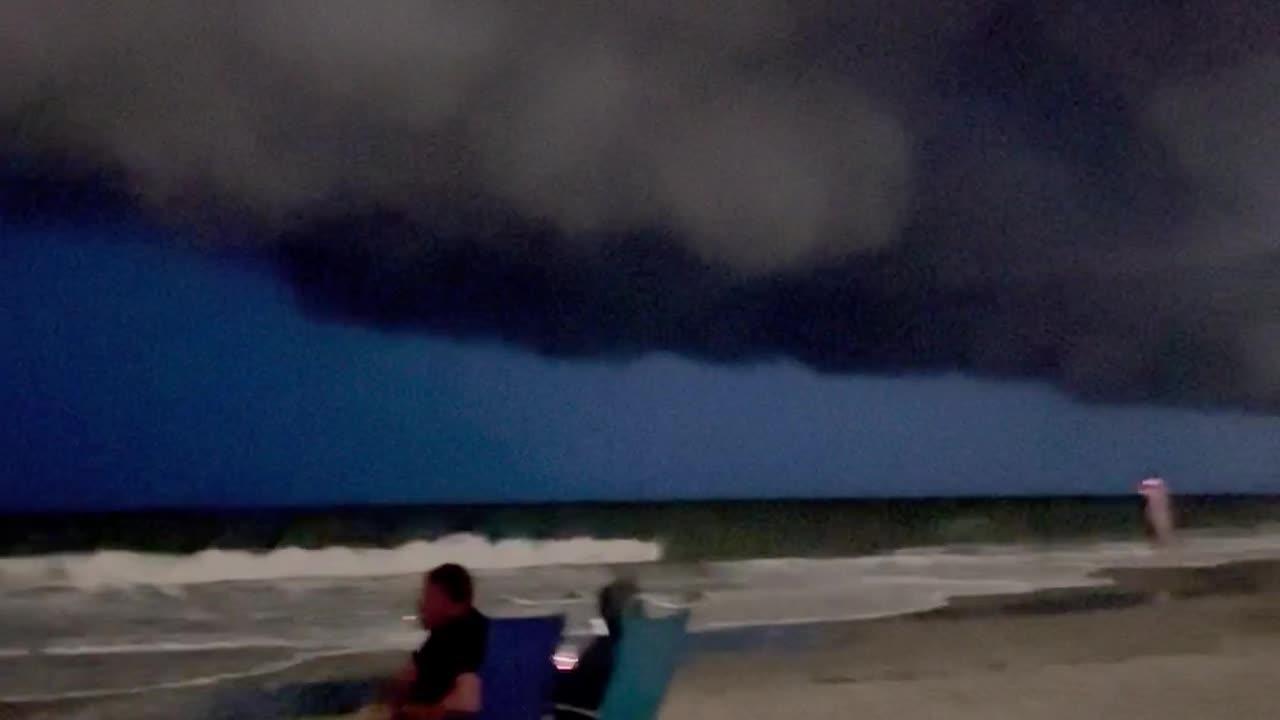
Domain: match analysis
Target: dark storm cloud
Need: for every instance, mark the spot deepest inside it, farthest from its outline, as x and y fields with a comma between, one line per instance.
x=1072, y=192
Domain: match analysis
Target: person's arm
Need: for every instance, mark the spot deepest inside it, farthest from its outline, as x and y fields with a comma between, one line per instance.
x=397, y=690
x=465, y=696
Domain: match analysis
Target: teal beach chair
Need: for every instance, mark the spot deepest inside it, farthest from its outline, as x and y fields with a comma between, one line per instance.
x=648, y=655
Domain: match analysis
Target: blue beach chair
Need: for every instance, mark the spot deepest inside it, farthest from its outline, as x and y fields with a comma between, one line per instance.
x=517, y=677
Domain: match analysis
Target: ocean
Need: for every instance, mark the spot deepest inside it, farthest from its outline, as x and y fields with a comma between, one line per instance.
x=108, y=604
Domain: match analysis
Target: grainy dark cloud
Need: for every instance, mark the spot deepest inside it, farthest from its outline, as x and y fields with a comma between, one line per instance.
x=1082, y=193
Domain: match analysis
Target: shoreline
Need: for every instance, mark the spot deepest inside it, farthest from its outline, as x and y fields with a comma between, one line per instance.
x=689, y=530
x=1132, y=593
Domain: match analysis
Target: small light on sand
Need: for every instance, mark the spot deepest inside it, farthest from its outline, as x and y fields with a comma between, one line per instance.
x=565, y=659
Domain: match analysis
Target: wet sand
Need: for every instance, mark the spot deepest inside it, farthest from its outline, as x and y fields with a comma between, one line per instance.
x=1167, y=643
x=1162, y=644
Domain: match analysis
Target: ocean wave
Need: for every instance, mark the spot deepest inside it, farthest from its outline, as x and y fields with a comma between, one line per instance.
x=172, y=647
x=788, y=591
x=198, y=681
x=1193, y=549
x=110, y=568
x=723, y=595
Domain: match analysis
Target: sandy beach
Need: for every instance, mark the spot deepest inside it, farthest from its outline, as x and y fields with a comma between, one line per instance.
x=1208, y=650
x=1170, y=644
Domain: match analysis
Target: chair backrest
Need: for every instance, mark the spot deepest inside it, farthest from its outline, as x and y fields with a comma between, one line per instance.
x=650, y=650
x=517, y=676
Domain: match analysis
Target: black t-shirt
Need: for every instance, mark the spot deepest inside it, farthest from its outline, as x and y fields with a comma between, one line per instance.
x=451, y=650
x=584, y=686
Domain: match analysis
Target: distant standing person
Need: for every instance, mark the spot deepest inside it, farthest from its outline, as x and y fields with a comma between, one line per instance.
x=442, y=680
x=1159, y=510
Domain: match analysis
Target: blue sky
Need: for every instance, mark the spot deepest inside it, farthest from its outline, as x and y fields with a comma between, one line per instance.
x=134, y=373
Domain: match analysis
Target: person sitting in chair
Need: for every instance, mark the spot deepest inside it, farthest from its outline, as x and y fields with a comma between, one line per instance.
x=579, y=692
x=442, y=680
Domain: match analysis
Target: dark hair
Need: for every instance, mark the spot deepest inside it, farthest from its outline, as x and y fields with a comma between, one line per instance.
x=614, y=599
x=454, y=581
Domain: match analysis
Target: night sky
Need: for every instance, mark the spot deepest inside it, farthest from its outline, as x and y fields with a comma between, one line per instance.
x=135, y=374
x=265, y=253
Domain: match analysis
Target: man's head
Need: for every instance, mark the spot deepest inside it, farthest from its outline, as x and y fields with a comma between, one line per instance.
x=447, y=593
x=614, y=599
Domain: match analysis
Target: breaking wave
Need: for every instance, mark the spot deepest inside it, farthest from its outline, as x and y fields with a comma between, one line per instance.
x=107, y=568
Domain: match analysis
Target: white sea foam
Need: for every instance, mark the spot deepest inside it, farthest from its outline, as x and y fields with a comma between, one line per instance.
x=200, y=681
x=108, y=568
x=171, y=647
x=788, y=591
x=351, y=607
